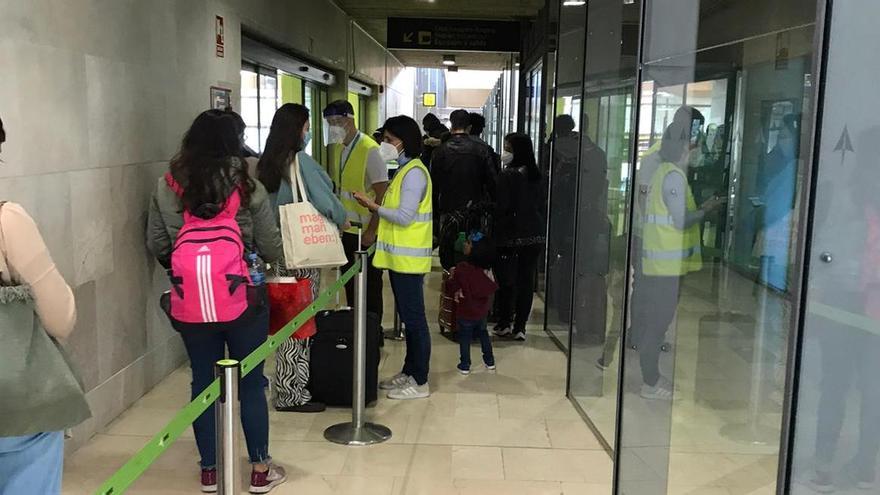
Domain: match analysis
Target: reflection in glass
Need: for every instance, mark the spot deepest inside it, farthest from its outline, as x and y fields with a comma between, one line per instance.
x=837, y=431
x=561, y=154
x=715, y=194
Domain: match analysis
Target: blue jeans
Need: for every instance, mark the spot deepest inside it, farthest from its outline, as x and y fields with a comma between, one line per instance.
x=409, y=293
x=467, y=330
x=205, y=348
x=31, y=464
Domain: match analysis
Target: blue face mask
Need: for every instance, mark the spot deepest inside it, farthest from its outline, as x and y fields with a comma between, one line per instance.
x=307, y=138
x=402, y=159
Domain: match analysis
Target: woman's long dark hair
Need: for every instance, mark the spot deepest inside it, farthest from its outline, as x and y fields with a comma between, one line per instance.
x=209, y=164
x=523, y=154
x=285, y=140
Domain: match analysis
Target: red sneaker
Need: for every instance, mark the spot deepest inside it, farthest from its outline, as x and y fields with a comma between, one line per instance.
x=265, y=482
x=209, y=481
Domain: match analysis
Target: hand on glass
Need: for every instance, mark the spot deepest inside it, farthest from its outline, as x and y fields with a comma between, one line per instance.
x=365, y=201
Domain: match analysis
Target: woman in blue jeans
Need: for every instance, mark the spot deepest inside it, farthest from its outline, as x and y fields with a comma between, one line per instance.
x=404, y=247
x=209, y=168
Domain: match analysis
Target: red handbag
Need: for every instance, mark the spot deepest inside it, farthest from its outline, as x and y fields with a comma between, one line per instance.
x=288, y=297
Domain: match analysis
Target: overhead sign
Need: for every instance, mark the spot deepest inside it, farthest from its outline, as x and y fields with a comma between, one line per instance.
x=453, y=35
x=429, y=99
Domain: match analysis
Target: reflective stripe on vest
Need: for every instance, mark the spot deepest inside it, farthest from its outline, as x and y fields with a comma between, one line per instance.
x=406, y=249
x=354, y=175
x=667, y=250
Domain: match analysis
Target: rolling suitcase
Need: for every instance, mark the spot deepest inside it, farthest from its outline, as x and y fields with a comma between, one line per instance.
x=332, y=358
x=448, y=307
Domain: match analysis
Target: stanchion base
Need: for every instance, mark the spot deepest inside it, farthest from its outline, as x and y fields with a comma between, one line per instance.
x=751, y=434
x=348, y=434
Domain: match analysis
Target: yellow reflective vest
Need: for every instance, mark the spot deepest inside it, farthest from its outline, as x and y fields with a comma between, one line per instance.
x=406, y=249
x=353, y=177
x=668, y=251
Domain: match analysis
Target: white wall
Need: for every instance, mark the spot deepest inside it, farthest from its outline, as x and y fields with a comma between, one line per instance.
x=95, y=96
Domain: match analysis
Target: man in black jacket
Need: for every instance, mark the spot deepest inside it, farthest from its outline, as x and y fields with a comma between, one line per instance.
x=462, y=169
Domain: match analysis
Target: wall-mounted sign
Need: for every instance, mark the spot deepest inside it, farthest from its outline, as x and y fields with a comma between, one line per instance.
x=221, y=98
x=453, y=35
x=429, y=99
x=220, y=36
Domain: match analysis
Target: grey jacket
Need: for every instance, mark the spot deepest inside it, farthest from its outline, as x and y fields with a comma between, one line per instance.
x=256, y=221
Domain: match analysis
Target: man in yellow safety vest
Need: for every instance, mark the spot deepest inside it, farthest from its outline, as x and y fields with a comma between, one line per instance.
x=361, y=170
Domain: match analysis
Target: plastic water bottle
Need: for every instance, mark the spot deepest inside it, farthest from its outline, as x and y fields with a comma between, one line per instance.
x=258, y=277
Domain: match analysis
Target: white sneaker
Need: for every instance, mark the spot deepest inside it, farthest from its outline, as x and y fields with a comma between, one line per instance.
x=410, y=391
x=657, y=392
x=394, y=382
x=502, y=331
x=491, y=368
x=520, y=336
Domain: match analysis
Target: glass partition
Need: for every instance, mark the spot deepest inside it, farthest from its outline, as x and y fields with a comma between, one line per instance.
x=715, y=193
x=599, y=266
x=563, y=149
x=837, y=431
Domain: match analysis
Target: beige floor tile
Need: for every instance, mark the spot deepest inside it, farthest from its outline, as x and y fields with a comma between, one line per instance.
x=536, y=407
x=590, y=466
x=144, y=422
x=478, y=432
x=307, y=458
x=290, y=426
x=379, y=460
x=477, y=406
x=571, y=434
x=424, y=486
x=489, y=487
x=569, y=488
x=335, y=485
x=477, y=463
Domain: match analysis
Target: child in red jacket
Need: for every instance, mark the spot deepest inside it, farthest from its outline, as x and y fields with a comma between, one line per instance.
x=473, y=284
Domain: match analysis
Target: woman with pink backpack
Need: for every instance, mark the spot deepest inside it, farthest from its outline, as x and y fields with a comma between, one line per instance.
x=210, y=225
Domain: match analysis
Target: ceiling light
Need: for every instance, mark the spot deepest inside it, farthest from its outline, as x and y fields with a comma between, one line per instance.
x=448, y=59
x=574, y=3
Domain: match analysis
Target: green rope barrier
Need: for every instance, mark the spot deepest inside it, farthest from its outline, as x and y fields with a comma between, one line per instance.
x=137, y=465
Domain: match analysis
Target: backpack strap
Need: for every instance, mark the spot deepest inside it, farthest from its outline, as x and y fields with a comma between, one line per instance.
x=173, y=184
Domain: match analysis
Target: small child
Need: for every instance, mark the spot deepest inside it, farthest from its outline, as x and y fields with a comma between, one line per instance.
x=473, y=284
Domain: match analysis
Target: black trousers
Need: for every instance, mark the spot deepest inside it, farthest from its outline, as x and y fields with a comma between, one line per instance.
x=374, y=277
x=654, y=302
x=516, y=282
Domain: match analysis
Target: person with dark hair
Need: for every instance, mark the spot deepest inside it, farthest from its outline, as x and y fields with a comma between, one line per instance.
x=361, y=170
x=463, y=170
x=672, y=246
x=404, y=248
x=434, y=132
x=473, y=284
x=520, y=230
x=36, y=302
x=206, y=176
x=288, y=136
x=478, y=124
x=241, y=127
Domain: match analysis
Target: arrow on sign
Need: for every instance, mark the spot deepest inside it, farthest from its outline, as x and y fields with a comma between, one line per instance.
x=844, y=144
x=407, y=37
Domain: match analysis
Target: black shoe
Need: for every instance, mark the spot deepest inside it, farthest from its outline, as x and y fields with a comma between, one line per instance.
x=308, y=407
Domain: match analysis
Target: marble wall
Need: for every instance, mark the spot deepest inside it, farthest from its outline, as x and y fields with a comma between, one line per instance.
x=95, y=96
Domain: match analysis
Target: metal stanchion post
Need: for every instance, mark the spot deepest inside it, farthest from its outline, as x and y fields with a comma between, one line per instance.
x=397, y=332
x=226, y=417
x=359, y=432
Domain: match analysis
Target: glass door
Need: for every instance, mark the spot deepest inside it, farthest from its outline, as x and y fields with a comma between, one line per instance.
x=722, y=101
x=837, y=412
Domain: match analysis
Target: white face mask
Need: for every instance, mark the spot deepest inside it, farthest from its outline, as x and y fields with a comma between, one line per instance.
x=336, y=134
x=506, y=157
x=388, y=152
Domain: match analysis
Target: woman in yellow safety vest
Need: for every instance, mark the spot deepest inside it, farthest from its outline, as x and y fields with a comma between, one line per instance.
x=404, y=247
x=671, y=246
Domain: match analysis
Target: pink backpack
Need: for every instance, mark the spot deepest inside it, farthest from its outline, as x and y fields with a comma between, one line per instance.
x=209, y=273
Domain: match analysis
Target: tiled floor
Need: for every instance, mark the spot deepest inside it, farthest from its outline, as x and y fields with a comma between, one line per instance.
x=510, y=433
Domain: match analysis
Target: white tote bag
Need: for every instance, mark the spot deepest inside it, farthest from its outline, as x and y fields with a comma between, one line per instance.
x=310, y=240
